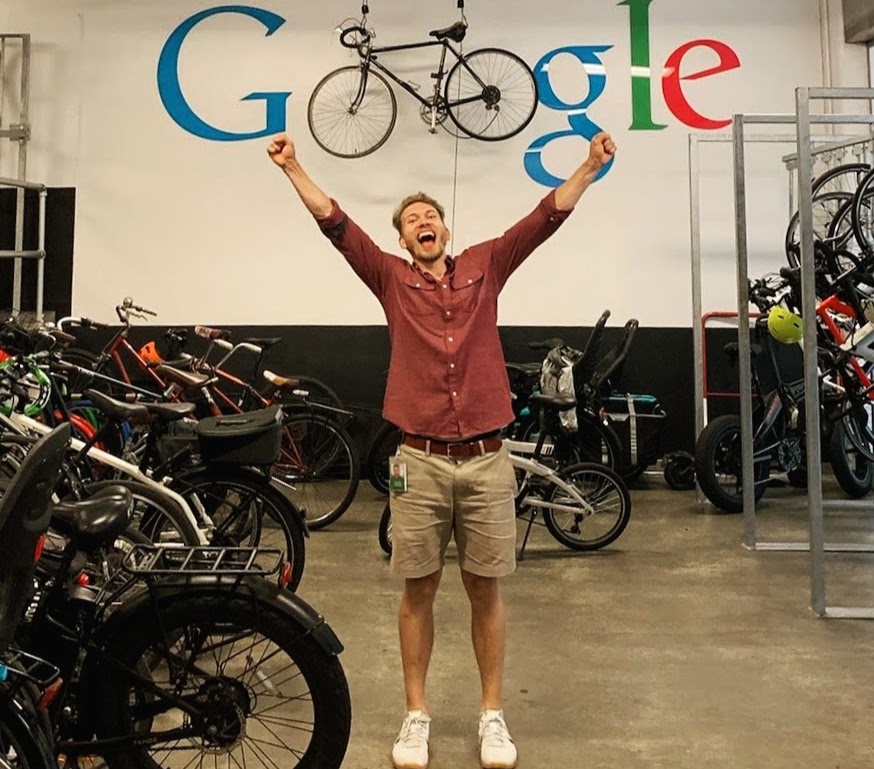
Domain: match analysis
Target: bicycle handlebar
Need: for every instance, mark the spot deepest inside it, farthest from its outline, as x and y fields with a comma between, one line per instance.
x=366, y=35
x=83, y=322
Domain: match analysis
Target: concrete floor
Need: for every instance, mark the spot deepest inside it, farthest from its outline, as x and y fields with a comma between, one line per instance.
x=675, y=648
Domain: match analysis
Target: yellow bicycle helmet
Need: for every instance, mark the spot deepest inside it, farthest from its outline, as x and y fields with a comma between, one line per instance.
x=785, y=326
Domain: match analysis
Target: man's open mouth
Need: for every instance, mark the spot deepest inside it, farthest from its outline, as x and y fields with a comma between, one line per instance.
x=427, y=238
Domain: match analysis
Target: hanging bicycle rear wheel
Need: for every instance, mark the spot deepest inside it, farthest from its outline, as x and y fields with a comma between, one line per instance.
x=342, y=124
x=491, y=94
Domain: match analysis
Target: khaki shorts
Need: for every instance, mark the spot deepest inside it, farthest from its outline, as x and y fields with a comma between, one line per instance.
x=471, y=497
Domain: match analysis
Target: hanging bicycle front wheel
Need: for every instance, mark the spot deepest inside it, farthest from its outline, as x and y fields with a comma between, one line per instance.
x=345, y=125
x=491, y=94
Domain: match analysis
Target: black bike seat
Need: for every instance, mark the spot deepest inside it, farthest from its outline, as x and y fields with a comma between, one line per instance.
x=455, y=32
x=116, y=409
x=264, y=342
x=96, y=520
x=560, y=402
x=547, y=344
x=524, y=368
x=733, y=350
x=170, y=412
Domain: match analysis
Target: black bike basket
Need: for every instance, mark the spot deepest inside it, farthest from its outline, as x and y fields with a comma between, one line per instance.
x=637, y=420
x=253, y=438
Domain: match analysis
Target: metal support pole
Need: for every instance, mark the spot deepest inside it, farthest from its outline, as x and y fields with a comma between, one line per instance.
x=697, y=310
x=743, y=331
x=40, y=265
x=811, y=379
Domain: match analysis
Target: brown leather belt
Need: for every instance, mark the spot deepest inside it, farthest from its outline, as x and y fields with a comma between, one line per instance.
x=474, y=448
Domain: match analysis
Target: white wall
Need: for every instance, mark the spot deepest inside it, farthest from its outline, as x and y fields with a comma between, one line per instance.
x=206, y=231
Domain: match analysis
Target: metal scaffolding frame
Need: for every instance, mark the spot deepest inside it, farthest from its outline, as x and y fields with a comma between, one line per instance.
x=695, y=140
x=18, y=133
x=815, y=503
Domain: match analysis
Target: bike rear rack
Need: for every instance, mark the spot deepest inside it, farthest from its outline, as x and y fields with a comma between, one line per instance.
x=19, y=664
x=155, y=560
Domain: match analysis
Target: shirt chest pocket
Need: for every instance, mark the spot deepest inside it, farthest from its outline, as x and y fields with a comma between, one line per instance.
x=420, y=297
x=467, y=290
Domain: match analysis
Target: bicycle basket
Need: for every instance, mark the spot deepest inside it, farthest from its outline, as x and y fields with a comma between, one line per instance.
x=253, y=438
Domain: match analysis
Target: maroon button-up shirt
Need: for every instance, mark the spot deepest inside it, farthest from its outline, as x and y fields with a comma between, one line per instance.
x=447, y=377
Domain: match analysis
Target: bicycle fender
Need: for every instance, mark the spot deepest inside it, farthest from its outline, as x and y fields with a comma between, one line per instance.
x=262, y=592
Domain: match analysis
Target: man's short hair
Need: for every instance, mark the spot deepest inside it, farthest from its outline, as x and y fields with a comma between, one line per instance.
x=417, y=197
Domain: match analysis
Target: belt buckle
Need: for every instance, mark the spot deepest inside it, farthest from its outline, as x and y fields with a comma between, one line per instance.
x=450, y=449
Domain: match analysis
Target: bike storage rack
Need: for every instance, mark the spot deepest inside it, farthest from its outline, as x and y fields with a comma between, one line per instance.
x=18, y=133
x=803, y=120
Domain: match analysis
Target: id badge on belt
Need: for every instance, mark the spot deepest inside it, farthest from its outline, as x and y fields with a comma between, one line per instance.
x=397, y=474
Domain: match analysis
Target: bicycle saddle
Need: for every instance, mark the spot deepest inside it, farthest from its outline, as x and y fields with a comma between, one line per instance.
x=183, y=378
x=547, y=344
x=733, y=350
x=170, y=412
x=96, y=520
x=524, y=368
x=562, y=402
x=116, y=409
x=455, y=32
x=264, y=342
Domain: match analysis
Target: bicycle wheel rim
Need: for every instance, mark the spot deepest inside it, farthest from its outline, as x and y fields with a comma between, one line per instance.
x=318, y=469
x=606, y=512
x=344, y=131
x=477, y=108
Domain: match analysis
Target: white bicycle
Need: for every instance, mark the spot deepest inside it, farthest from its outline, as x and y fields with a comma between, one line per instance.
x=585, y=506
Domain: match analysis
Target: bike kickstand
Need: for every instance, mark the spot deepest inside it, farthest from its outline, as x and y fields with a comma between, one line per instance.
x=525, y=538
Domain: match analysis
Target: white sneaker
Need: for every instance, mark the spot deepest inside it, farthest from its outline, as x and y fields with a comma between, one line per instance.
x=496, y=748
x=410, y=750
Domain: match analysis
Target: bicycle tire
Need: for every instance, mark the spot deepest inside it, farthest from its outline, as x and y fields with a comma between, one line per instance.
x=853, y=471
x=605, y=491
x=826, y=208
x=483, y=72
x=228, y=493
x=240, y=687
x=318, y=454
x=384, y=531
x=718, y=452
x=163, y=507
x=863, y=220
x=331, y=121
x=842, y=178
x=384, y=445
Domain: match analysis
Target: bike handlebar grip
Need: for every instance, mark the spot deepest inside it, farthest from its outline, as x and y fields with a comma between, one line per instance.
x=62, y=336
x=358, y=30
x=223, y=343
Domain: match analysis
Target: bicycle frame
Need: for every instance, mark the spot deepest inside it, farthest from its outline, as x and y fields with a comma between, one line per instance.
x=369, y=58
x=22, y=424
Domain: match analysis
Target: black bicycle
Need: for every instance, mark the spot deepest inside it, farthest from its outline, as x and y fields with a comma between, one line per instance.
x=489, y=93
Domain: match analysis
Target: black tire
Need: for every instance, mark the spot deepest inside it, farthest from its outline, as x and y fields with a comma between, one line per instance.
x=680, y=471
x=718, y=453
x=843, y=178
x=383, y=446
x=385, y=527
x=284, y=672
x=498, y=90
x=609, y=507
x=155, y=515
x=853, y=471
x=240, y=502
x=319, y=467
x=863, y=213
x=336, y=129
x=825, y=208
